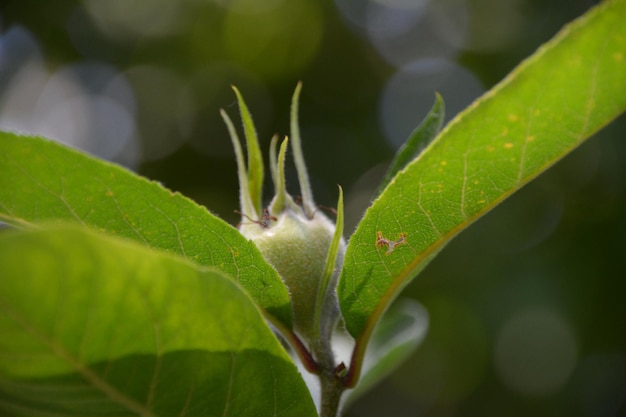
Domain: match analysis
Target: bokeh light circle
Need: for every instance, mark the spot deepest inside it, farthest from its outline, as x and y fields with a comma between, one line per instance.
x=535, y=353
x=410, y=93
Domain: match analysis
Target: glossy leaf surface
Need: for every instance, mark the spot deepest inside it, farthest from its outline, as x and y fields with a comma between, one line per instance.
x=43, y=181
x=560, y=96
x=98, y=326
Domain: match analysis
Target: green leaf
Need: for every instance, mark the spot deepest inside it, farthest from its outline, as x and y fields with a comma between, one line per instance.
x=245, y=199
x=417, y=141
x=43, y=181
x=326, y=281
x=280, y=184
x=255, y=159
x=399, y=333
x=298, y=156
x=93, y=325
x=570, y=88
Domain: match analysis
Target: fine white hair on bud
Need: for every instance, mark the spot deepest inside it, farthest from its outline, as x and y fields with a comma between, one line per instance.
x=304, y=246
x=297, y=247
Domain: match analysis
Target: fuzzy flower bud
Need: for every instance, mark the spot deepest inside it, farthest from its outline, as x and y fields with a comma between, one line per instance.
x=304, y=246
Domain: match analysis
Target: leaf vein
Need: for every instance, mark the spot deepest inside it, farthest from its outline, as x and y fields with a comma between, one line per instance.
x=87, y=373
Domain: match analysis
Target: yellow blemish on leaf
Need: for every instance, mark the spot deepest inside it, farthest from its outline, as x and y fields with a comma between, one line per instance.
x=490, y=148
x=513, y=117
x=508, y=145
x=109, y=193
x=530, y=138
x=618, y=56
x=537, y=112
x=505, y=131
x=444, y=163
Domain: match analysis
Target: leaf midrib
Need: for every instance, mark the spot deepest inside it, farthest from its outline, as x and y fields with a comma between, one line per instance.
x=88, y=374
x=403, y=275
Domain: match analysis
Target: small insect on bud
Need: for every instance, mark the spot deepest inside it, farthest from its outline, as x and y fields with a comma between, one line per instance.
x=264, y=221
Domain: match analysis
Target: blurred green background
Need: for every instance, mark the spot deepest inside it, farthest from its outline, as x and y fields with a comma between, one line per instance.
x=527, y=311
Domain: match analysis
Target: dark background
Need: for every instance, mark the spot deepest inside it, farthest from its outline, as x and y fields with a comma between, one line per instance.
x=526, y=308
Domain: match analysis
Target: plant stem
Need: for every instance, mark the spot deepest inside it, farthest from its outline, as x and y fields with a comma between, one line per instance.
x=332, y=389
x=331, y=384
